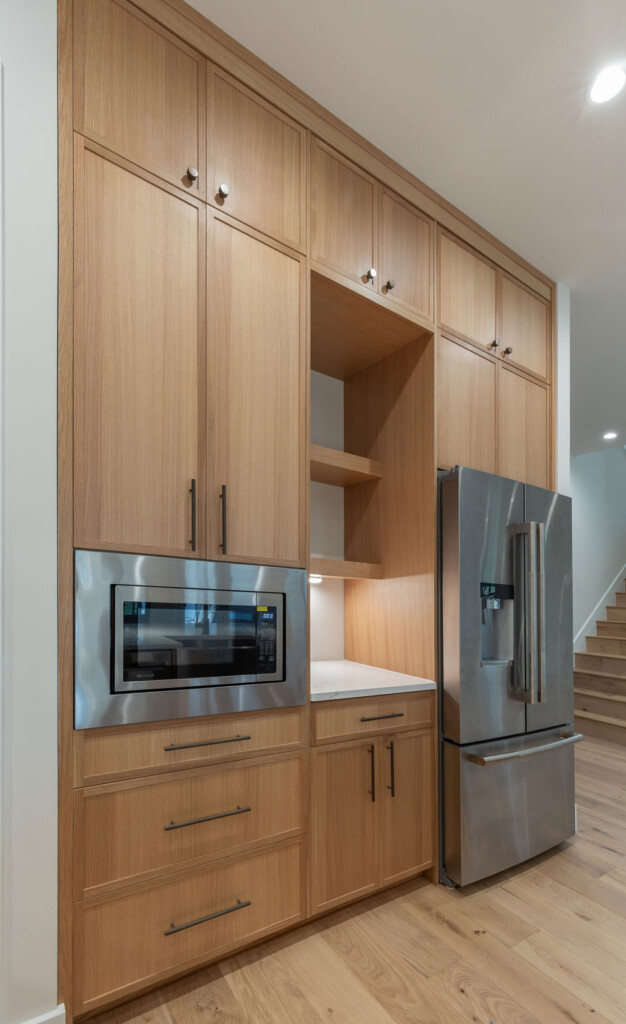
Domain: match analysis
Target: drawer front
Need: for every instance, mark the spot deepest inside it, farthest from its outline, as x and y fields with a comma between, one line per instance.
x=124, y=943
x=342, y=719
x=103, y=755
x=130, y=831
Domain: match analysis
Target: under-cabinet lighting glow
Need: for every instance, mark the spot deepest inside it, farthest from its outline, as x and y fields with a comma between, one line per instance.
x=609, y=436
x=314, y=578
x=609, y=82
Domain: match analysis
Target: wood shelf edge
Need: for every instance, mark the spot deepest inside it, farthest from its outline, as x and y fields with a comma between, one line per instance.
x=341, y=469
x=335, y=568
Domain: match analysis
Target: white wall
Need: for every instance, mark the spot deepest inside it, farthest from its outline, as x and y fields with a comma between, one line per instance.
x=28, y=760
x=563, y=350
x=598, y=483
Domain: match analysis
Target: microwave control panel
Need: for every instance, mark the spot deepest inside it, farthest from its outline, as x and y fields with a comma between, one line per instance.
x=266, y=630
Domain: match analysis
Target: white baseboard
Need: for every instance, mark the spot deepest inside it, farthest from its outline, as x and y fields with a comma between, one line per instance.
x=579, y=639
x=54, y=1017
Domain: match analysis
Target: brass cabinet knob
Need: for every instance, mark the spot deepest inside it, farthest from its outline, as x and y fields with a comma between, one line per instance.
x=371, y=274
x=223, y=191
x=192, y=173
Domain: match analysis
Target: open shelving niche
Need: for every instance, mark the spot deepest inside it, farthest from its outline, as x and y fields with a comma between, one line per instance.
x=373, y=483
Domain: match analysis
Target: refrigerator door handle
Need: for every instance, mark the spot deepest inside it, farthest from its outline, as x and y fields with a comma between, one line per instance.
x=529, y=672
x=515, y=755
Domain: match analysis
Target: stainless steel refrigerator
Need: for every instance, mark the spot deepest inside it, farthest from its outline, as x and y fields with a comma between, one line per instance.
x=507, y=681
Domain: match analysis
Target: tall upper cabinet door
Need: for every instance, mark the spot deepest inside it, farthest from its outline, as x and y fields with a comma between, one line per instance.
x=405, y=255
x=343, y=215
x=466, y=407
x=467, y=293
x=139, y=91
x=523, y=429
x=525, y=328
x=257, y=161
x=256, y=380
x=138, y=350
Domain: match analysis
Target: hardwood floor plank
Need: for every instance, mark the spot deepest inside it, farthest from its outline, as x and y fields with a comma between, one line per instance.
x=263, y=986
x=476, y=997
x=203, y=997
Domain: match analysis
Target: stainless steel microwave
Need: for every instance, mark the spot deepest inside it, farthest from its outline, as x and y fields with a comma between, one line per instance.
x=161, y=638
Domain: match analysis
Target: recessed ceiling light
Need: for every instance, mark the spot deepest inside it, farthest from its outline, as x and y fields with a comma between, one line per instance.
x=608, y=83
x=609, y=436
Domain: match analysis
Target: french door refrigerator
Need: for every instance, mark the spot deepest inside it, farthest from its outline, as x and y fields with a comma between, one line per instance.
x=507, y=679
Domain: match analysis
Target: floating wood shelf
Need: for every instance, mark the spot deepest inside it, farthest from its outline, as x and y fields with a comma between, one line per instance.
x=351, y=330
x=335, y=568
x=330, y=466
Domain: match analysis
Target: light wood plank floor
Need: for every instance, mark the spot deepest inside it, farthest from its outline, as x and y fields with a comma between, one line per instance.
x=542, y=943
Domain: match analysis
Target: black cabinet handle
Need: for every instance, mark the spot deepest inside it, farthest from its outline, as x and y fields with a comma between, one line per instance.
x=206, y=743
x=223, y=500
x=239, y=905
x=378, y=718
x=210, y=817
x=372, y=752
x=192, y=491
x=392, y=787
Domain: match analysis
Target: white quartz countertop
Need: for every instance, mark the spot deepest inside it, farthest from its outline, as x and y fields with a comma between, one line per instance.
x=337, y=680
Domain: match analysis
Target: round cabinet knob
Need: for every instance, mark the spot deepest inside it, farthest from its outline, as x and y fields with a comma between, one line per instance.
x=223, y=191
x=192, y=173
x=371, y=274
x=391, y=284
x=508, y=351
x=494, y=344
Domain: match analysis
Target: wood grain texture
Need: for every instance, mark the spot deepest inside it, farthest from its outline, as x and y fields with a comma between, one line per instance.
x=467, y=293
x=406, y=254
x=122, y=943
x=344, y=222
x=335, y=720
x=106, y=755
x=523, y=429
x=138, y=352
x=351, y=331
x=466, y=407
x=261, y=155
x=341, y=469
x=389, y=416
x=336, y=568
x=524, y=327
x=407, y=811
x=540, y=943
x=256, y=383
x=139, y=90
x=121, y=835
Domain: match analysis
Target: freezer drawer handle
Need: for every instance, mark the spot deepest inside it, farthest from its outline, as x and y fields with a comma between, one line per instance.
x=206, y=743
x=239, y=905
x=515, y=755
x=209, y=817
x=379, y=718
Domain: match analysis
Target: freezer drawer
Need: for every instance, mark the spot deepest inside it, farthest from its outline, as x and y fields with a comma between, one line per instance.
x=498, y=813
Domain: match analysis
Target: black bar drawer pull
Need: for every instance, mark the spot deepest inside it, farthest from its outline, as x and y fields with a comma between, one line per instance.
x=378, y=718
x=372, y=753
x=192, y=491
x=206, y=743
x=209, y=817
x=392, y=787
x=223, y=500
x=239, y=905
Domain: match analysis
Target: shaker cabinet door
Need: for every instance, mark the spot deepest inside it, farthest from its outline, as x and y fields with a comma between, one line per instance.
x=257, y=161
x=466, y=407
x=138, y=340
x=256, y=387
x=139, y=91
x=525, y=328
x=523, y=429
x=407, y=805
x=405, y=255
x=467, y=293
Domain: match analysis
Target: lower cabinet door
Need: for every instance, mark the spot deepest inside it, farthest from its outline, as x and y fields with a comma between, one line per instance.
x=130, y=940
x=407, y=805
x=344, y=852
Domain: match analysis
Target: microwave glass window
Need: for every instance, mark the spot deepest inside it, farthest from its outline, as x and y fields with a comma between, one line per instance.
x=197, y=641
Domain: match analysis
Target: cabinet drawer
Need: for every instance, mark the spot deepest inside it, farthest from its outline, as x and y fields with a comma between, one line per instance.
x=125, y=942
x=341, y=719
x=103, y=755
x=130, y=831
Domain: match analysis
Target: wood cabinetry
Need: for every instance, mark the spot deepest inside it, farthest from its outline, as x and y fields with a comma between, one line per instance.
x=260, y=156
x=256, y=387
x=524, y=328
x=523, y=429
x=466, y=407
x=139, y=90
x=407, y=762
x=405, y=255
x=467, y=293
x=138, y=358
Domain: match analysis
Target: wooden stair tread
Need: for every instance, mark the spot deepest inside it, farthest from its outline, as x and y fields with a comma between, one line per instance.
x=605, y=636
x=606, y=719
x=601, y=654
x=600, y=695
x=600, y=675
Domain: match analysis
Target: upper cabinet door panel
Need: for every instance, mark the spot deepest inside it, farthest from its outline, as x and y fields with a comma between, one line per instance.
x=467, y=293
x=343, y=221
x=523, y=429
x=405, y=255
x=260, y=155
x=466, y=407
x=256, y=379
x=525, y=328
x=139, y=91
x=138, y=300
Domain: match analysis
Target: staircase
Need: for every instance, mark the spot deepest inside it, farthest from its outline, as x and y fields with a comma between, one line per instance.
x=600, y=678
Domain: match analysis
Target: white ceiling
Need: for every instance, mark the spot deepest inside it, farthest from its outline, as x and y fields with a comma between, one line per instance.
x=487, y=102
